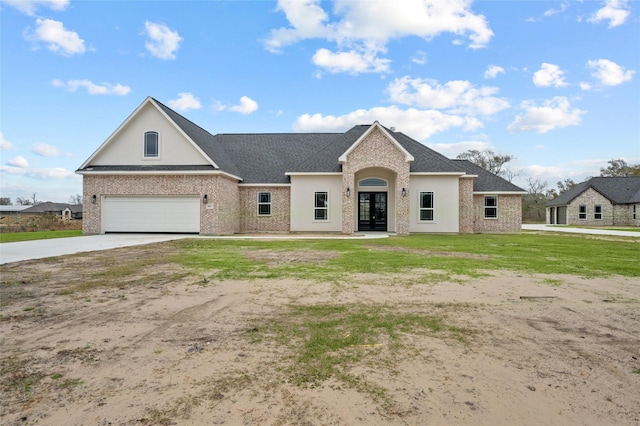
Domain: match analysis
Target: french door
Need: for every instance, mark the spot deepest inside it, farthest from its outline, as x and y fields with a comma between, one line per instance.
x=372, y=211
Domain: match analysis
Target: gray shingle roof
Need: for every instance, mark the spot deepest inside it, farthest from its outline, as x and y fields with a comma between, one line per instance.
x=487, y=181
x=267, y=157
x=618, y=190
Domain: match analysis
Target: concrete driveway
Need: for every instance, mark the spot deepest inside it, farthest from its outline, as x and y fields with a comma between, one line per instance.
x=580, y=230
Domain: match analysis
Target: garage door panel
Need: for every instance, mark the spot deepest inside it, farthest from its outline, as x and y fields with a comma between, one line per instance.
x=151, y=214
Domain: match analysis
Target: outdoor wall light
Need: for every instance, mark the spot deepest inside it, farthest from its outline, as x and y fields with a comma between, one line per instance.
x=205, y=199
x=348, y=192
x=94, y=198
x=404, y=192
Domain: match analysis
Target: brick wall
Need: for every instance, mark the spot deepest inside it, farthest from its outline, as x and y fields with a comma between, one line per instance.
x=222, y=218
x=590, y=198
x=280, y=218
x=375, y=151
x=509, y=214
x=466, y=218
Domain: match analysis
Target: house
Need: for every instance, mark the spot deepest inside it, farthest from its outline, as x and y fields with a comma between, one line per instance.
x=160, y=172
x=11, y=210
x=599, y=201
x=63, y=210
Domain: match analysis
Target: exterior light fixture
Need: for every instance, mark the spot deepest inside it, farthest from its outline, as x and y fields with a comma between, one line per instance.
x=94, y=198
x=404, y=192
x=205, y=199
x=348, y=192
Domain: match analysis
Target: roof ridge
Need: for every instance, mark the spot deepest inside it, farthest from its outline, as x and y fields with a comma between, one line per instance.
x=179, y=115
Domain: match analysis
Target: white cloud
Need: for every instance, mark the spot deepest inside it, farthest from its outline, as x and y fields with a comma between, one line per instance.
x=40, y=174
x=46, y=150
x=5, y=145
x=420, y=124
x=351, y=62
x=185, y=102
x=458, y=96
x=563, y=7
x=452, y=150
x=19, y=162
x=493, y=71
x=419, y=58
x=549, y=75
x=246, y=106
x=585, y=86
x=553, y=114
x=614, y=11
x=92, y=88
x=29, y=7
x=365, y=28
x=57, y=37
x=609, y=73
x=163, y=43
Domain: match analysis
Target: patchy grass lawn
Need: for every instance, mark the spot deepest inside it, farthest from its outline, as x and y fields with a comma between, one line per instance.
x=12, y=237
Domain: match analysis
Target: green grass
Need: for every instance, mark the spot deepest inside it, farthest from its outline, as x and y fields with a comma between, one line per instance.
x=470, y=255
x=12, y=237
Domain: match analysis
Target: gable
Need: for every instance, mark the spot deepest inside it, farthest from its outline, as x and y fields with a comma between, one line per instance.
x=375, y=141
x=125, y=146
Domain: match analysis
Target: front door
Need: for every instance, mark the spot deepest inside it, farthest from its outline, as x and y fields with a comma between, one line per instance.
x=372, y=211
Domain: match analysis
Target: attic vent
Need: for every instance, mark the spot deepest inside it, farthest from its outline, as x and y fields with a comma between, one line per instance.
x=393, y=129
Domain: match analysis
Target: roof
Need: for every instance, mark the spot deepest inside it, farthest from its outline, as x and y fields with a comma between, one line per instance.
x=487, y=181
x=618, y=190
x=266, y=158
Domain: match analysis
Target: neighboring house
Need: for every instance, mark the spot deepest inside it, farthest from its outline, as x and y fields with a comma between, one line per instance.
x=63, y=210
x=159, y=172
x=599, y=201
x=11, y=210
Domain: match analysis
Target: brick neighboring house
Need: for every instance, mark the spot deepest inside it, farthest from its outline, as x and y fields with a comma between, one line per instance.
x=599, y=201
x=160, y=172
x=62, y=210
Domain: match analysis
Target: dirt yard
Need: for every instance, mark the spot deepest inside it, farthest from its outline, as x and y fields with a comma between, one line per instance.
x=171, y=347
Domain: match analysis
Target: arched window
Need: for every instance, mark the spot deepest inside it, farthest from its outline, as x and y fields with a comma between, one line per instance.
x=151, y=145
x=373, y=182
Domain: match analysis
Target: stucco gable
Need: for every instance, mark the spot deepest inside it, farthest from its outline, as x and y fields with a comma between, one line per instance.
x=124, y=147
x=376, y=127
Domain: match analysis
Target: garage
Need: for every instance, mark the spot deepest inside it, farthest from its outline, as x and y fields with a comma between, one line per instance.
x=163, y=214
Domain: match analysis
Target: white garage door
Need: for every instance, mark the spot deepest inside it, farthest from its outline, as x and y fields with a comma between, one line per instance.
x=151, y=214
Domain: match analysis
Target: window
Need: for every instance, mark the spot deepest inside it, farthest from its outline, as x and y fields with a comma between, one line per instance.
x=426, y=206
x=151, y=145
x=582, y=212
x=597, y=212
x=373, y=182
x=490, y=207
x=321, y=206
x=264, y=203
x=634, y=212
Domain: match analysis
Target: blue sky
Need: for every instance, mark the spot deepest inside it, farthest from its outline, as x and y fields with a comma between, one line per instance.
x=553, y=83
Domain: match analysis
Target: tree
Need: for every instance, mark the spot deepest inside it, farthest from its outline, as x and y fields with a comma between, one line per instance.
x=565, y=185
x=619, y=167
x=534, y=203
x=23, y=201
x=488, y=160
x=5, y=201
x=75, y=199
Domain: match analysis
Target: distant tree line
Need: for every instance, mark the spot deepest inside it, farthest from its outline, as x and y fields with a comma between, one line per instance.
x=33, y=200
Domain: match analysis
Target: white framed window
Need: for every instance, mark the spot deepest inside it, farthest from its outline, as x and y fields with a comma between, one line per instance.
x=582, y=212
x=151, y=147
x=597, y=212
x=321, y=206
x=373, y=182
x=490, y=207
x=426, y=206
x=264, y=204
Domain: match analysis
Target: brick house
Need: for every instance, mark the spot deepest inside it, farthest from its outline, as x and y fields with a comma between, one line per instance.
x=160, y=172
x=599, y=201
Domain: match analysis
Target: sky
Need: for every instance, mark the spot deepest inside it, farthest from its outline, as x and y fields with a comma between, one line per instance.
x=554, y=84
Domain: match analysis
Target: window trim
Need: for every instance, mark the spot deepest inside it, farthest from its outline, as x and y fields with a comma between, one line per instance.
x=431, y=209
x=316, y=208
x=597, y=211
x=144, y=146
x=582, y=212
x=634, y=212
x=264, y=203
x=492, y=207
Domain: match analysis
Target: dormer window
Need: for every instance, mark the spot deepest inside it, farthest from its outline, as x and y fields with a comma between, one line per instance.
x=151, y=145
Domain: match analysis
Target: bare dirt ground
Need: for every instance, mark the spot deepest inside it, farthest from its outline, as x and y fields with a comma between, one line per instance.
x=168, y=346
